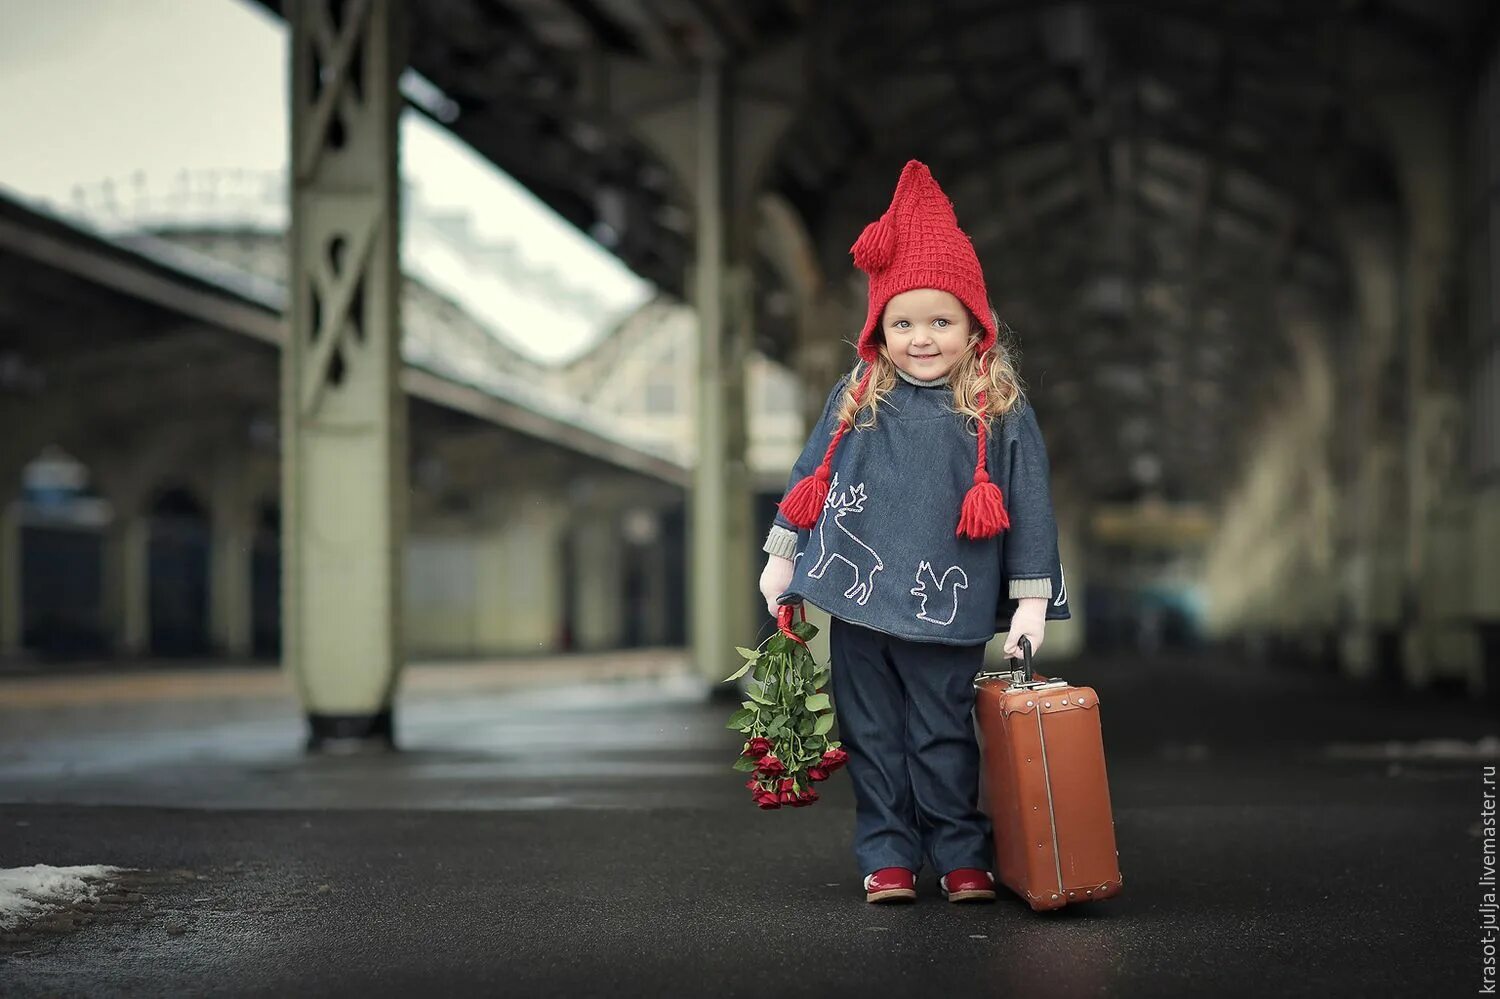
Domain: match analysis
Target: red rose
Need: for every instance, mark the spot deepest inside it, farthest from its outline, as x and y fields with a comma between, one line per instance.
x=807, y=797
x=787, y=798
x=786, y=784
x=768, y=802
x=757, y=747
x=833, y=759
x=817, y=773
x=770, y=766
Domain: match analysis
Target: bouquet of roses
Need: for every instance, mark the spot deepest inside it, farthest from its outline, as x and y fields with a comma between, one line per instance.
x=787, y=719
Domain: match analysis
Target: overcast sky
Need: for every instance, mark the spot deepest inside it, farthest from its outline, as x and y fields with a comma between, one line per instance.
x=102, y=89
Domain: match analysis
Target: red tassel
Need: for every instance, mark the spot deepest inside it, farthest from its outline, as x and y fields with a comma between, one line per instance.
x=803, y=505
x=983, y=514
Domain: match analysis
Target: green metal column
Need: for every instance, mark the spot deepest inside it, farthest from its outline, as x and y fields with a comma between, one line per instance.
x=519, y=575
x=717, y=131
x=655, y=570
x=1436, y=637
x=229, y=586
x=10, y=576
x=232, y=517
x=719, y=529
x=343, y=414
x=1372, y=574
x=134, y=582
x=598, y=574
x=126, y=576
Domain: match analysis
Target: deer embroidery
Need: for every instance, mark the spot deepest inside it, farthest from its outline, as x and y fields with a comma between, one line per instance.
x=840, y=505
x=940, y=586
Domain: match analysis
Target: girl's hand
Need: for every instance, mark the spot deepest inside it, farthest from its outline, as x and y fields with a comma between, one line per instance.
x=774, y=579
x=1030, y=619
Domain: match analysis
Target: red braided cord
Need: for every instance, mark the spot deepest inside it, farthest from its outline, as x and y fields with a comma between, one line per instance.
x=979, y=468
x=859, y=394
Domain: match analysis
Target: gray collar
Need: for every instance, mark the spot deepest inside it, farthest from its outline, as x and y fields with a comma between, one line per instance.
x=942, y=380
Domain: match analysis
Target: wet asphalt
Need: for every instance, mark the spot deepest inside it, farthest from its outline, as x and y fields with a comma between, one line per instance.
x=1281, y=832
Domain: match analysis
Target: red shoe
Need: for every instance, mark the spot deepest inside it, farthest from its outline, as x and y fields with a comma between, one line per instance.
x=891, y=884
x=968, y=884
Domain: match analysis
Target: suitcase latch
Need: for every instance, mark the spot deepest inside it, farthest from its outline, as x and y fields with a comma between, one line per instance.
x=1016, y=679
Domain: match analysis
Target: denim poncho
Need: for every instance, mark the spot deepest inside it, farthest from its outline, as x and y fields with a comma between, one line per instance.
x=884, y=552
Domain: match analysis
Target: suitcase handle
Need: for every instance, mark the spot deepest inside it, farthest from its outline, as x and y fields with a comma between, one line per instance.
x=1025, y=668
x=1021, y=675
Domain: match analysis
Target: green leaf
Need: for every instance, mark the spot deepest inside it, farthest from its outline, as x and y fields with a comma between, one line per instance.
x=760, y=698
x=762, y=668
x=821, y=677
x=749, y=654
x=805, y=630
x=816, y=702
x=823, y=724
x=744, y=764
x=741, y=718
x=778, y=644
x=805, y=725
x=738, y=673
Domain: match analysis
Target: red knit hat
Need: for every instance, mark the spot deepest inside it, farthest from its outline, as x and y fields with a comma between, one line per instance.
x=916, y=244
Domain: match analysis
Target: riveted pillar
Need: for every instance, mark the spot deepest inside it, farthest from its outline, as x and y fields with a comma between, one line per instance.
x=1439, y=640
x=127, y=575
x=519, y=575
x=1481, y=212
x=10, y=576
x=653, y=602
x=128, y=484
x=1372, y=570
x=343, y=414
x=14, y=454
x=233, y=518
x=719, y=525
x=716, y=129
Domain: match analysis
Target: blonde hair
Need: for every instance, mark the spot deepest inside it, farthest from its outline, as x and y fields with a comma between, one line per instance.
x=1000, y=382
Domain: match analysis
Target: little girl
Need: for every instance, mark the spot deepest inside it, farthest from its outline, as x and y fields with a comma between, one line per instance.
x=915, y=531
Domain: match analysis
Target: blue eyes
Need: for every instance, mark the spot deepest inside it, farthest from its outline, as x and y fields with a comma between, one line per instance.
x=941, y=324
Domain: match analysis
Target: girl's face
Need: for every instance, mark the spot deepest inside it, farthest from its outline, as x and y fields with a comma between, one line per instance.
x=926, y=331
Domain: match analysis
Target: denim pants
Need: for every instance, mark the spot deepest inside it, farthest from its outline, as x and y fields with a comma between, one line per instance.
x=905, y=716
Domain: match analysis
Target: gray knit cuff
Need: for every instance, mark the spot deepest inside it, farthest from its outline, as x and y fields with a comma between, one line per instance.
x=784, y=543
x=1031, y=588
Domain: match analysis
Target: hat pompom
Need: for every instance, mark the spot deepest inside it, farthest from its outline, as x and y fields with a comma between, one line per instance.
x=875, y=246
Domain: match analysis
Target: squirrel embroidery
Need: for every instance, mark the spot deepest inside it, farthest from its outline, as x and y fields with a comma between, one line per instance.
x=940, y=586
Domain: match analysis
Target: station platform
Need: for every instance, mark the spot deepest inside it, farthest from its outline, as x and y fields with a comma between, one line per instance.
x=572, y=827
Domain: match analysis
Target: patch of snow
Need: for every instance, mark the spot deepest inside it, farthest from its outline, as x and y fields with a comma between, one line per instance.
x=26, y=892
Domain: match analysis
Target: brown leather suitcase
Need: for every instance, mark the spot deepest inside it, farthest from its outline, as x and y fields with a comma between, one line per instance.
x=1045, y=787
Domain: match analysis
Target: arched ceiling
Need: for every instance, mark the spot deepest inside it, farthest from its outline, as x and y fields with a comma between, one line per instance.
x=1143, y=181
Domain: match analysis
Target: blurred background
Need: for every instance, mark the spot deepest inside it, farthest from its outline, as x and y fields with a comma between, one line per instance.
x=355, y=353
x=1248, y=253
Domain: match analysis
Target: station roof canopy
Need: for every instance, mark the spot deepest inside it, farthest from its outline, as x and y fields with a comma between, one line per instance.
x=1148, y=184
